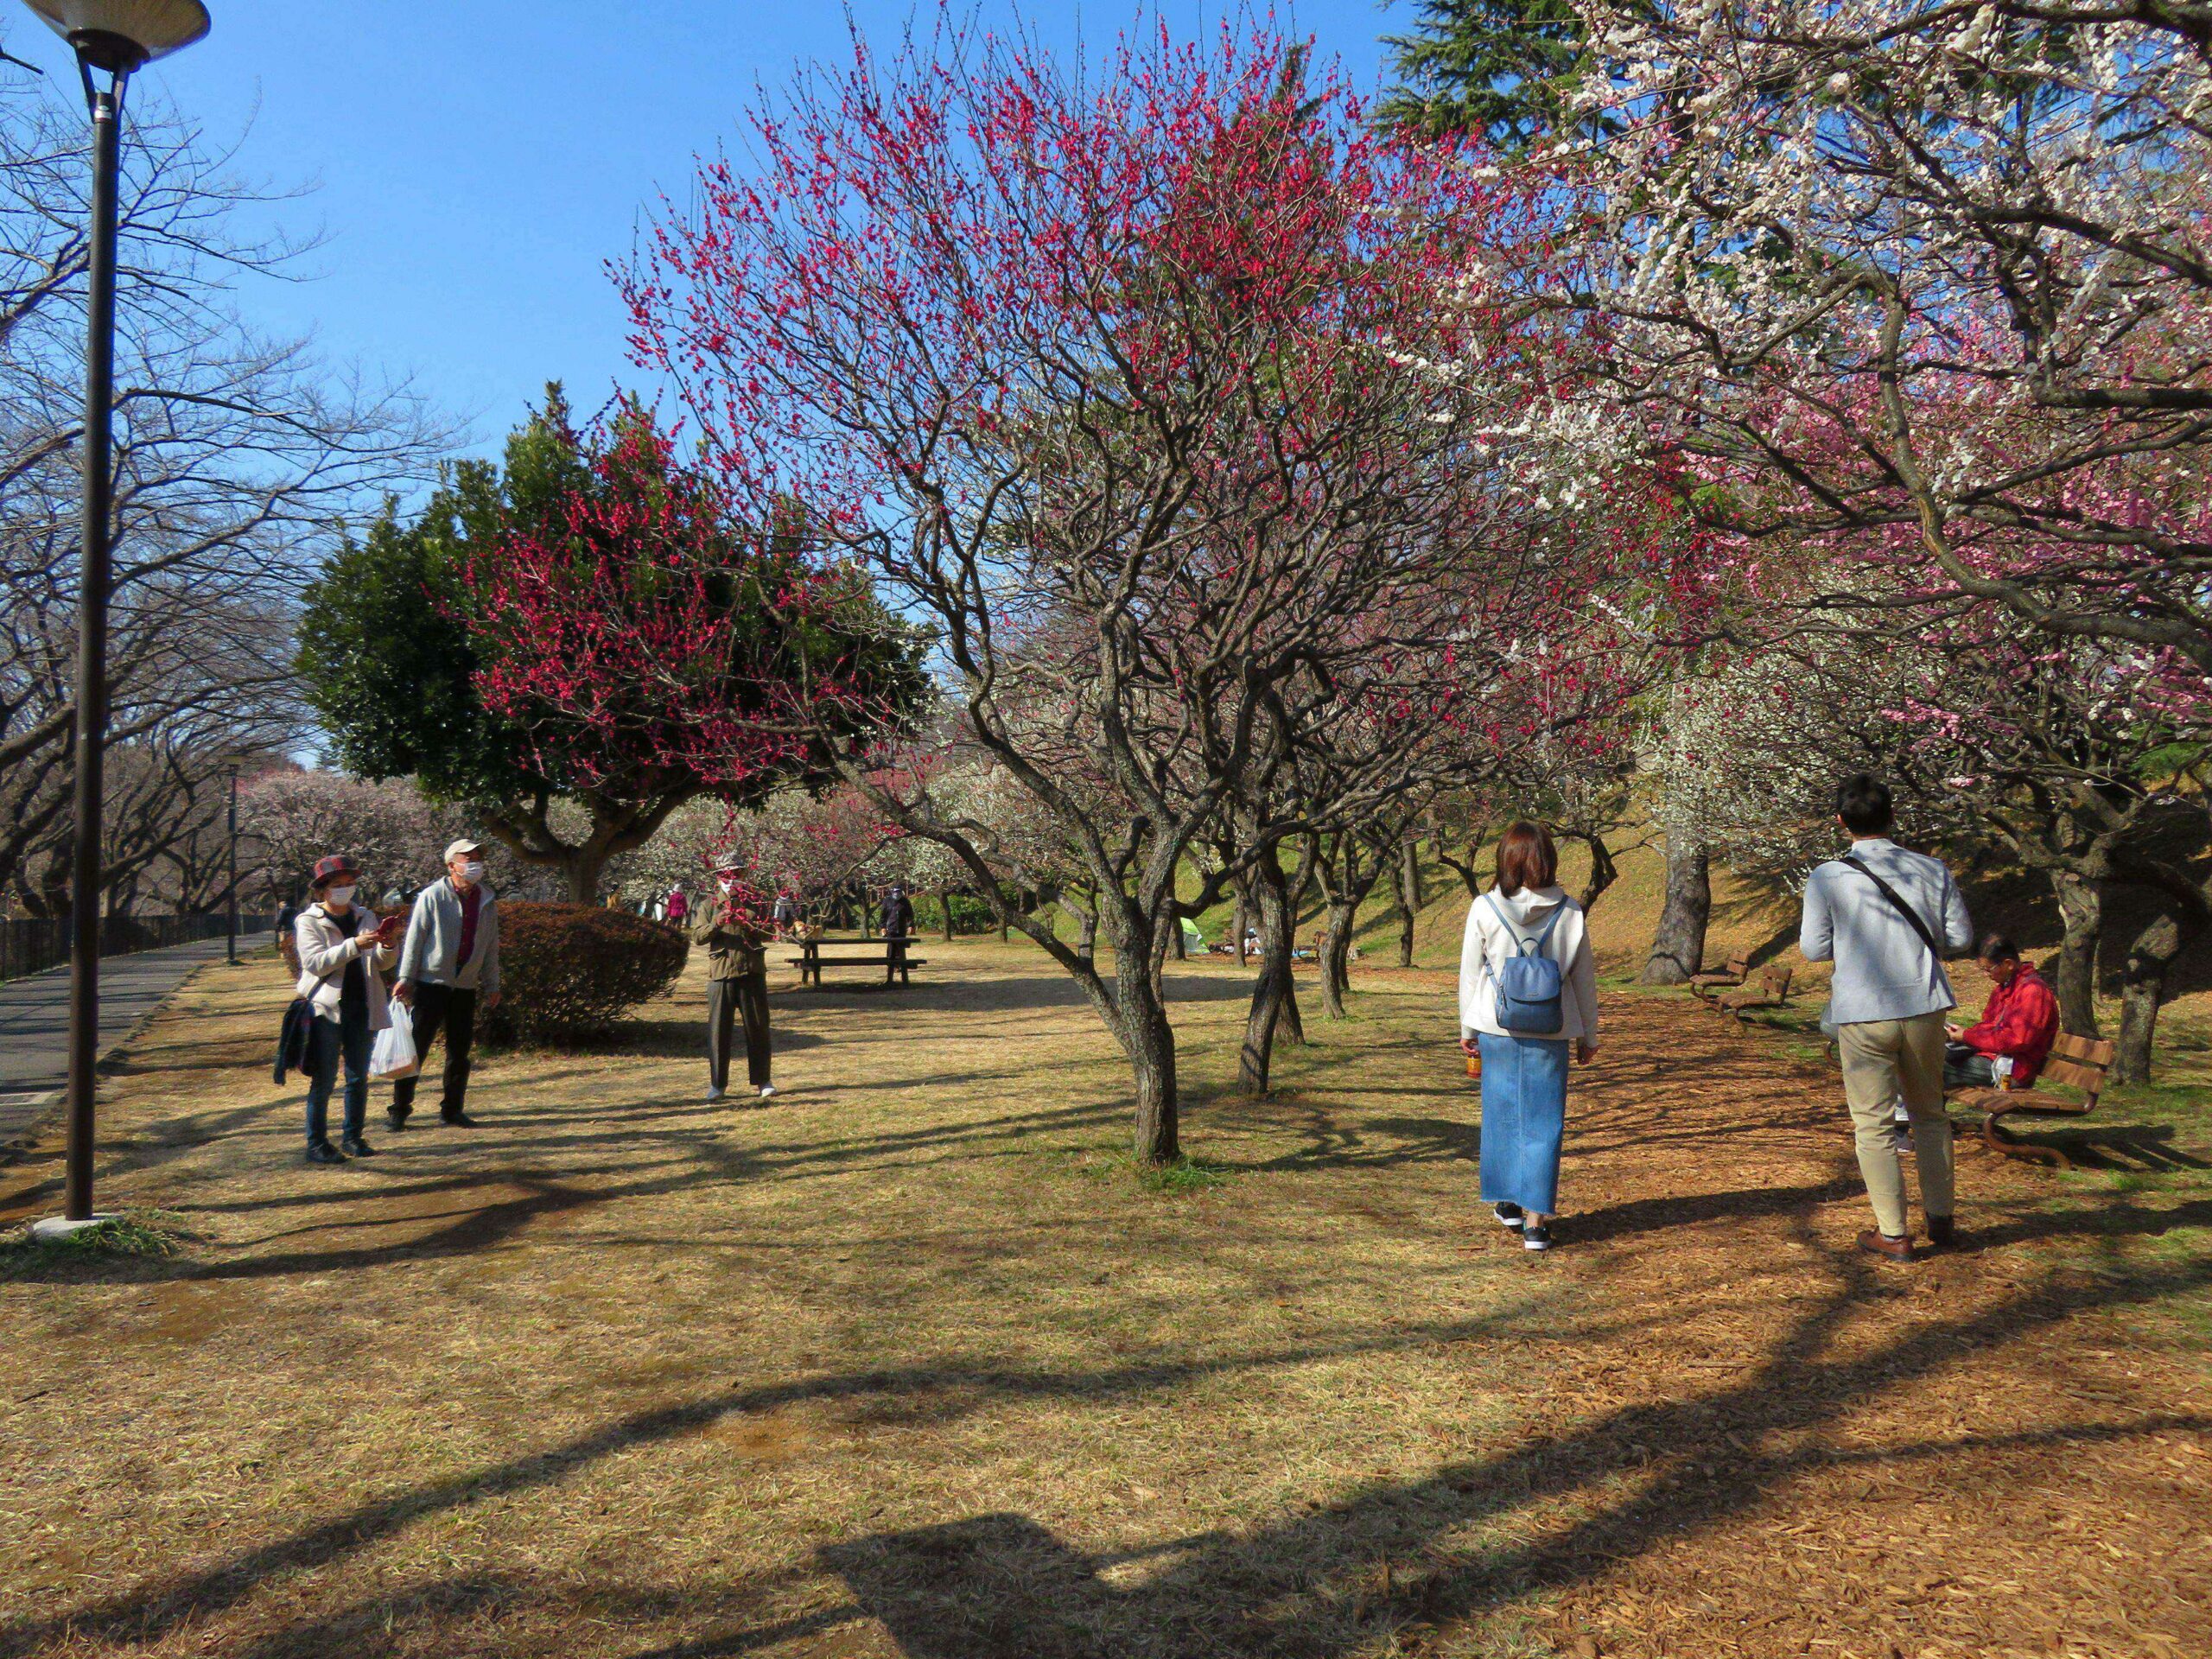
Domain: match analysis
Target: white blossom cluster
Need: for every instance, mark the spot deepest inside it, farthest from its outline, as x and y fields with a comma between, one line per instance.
x=1959, y=237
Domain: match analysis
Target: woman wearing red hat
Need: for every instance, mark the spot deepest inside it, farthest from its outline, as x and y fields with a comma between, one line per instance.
x=340, y=949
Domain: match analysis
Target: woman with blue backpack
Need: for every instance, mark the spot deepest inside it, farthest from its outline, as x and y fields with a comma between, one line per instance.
x=1528, y=992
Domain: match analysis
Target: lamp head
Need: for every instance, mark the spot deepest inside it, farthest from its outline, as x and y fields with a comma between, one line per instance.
x=120, y=36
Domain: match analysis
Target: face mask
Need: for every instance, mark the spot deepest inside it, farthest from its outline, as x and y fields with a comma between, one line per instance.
x=473, y=872
x=728, y=886
x=340, y=896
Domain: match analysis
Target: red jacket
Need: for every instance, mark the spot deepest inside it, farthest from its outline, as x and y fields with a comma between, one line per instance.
x=2021, y=1020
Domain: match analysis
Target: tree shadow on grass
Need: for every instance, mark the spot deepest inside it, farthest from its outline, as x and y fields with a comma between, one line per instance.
x=552, y=1185
x=1616, y=1487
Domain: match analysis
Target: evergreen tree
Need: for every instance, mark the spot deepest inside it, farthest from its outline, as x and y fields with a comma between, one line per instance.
x=1500, y=68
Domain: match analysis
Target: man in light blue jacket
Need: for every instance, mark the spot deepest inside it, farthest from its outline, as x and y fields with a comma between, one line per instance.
x=1887, y=917
x=448, y=972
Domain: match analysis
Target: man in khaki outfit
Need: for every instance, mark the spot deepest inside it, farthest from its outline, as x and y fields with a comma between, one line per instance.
x=1887, y=919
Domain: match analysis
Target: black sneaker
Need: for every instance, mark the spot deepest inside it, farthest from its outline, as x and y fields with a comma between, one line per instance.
x=1534, y=1235
x=353, y=1146
x=397, y=1120
x=1943, y=1232
x=1511, y=1215
x=458, y=1120
x=321, y=1151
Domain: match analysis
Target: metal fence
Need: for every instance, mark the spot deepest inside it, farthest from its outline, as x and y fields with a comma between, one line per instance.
x=30, y=945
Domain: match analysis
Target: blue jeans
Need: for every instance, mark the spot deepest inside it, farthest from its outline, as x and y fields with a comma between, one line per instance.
x=345, y=1037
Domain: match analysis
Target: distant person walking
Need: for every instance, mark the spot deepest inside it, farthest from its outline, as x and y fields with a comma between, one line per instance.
x=679, y=905
x=449, y=971
x=1528, y=992
x=898, y=927
x=1887, y=917
x=786, y=912
x=288, y=944
x=737, y=985
x=340, y=949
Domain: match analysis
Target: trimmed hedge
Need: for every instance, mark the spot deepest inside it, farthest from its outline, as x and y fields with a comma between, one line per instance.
x=568, y=972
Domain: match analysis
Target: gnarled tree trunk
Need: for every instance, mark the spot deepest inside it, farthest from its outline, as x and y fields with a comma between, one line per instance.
x=1336, y=960
x=1678, y=948
x=2081, y=915
x=2142, y=988
x=1274, y=997
x=1410, y=896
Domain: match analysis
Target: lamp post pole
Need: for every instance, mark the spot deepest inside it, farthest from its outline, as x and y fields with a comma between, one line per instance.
x=114, y=37
x=92, y=649
x=233, y=957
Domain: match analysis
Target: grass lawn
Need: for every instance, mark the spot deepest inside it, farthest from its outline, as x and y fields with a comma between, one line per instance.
x=913, y=1361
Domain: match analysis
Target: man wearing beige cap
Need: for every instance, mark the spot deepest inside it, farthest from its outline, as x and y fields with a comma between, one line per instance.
x=448, y=967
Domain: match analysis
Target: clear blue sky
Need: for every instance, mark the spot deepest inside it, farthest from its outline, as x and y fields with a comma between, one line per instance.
x=476, y=162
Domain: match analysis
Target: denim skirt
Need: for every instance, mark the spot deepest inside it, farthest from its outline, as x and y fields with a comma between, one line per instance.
x=1524, y=1116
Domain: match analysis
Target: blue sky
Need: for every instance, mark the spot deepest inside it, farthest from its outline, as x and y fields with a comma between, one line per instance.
x=476, y=162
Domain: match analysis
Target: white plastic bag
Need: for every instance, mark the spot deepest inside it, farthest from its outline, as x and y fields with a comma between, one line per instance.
x=394, y=1056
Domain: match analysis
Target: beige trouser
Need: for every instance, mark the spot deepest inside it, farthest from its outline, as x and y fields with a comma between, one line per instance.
x=1883, y=1059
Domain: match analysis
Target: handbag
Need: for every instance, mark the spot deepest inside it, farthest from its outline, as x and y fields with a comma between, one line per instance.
x=394, y=1056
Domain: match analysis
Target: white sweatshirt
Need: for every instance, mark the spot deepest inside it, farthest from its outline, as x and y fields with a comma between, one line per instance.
x=1488, y=943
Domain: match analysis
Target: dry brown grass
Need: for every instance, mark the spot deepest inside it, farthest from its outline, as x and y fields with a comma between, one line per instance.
x=912, y=1363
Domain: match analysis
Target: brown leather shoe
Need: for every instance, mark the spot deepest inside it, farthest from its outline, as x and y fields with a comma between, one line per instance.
x=1889, y=1250
x=1943, y=1232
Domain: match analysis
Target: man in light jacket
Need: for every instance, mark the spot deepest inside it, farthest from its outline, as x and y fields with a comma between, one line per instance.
x=448, y=968
x=1887, y=917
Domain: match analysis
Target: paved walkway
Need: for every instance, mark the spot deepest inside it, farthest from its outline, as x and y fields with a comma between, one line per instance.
x=34, y=1022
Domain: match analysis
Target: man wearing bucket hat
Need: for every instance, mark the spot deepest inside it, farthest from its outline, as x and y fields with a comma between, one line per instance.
x=449, y=969
x=340, y=949
x=737, y=980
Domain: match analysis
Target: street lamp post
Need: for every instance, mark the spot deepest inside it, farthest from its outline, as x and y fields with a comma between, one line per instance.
x=233, y=949
x=110, y=38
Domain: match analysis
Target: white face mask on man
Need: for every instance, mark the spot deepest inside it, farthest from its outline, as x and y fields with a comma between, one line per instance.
x=472, y=871
x=726, y=886
x=340, y=897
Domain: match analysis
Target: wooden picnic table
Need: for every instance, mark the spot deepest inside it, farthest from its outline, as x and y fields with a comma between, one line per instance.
x=813, y=958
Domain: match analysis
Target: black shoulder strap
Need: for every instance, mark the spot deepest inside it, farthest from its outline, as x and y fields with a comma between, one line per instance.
x=1902, y=908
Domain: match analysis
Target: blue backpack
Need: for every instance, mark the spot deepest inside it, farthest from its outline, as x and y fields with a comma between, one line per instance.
x=1528, y=981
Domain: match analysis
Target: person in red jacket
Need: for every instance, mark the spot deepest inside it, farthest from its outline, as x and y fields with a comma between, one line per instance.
x=2018, y=1024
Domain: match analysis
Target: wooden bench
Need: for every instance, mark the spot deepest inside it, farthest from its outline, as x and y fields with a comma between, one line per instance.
x=1771, y=992
x=811, y=961
x=1732, y=973
x=2079, y=1061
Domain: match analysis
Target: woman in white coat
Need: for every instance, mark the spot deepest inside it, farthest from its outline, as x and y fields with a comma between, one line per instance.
x=1525, y=914
x=342, y=950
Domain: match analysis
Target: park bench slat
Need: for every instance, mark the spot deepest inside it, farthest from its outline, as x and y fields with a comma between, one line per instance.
x=2080, y=1061
x=1732, y=973
x=1771, y=992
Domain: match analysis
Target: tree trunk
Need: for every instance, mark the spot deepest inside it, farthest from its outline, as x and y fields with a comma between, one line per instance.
x=2082, y=913
x=1678, y=948
x=1602, y=871
x=1243, y=921
x=582, y=869
x=1336, y=961
x=1182, y=947
x=1149, y=1041
x=1274, y=996
x=945, y=904
x=1409, y=897
x=2142, y=988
